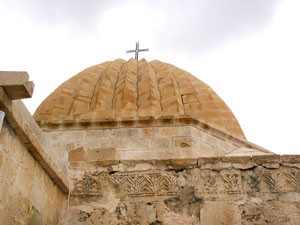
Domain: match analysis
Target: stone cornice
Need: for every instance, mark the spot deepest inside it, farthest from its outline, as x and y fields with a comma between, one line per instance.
x=216, y=163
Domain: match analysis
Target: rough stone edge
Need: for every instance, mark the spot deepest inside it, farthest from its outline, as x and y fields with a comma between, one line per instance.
x=149, y=121
x=31, y=135
x=217, y=163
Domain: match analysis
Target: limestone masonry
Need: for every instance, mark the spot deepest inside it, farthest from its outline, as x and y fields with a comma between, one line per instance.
x=136, y=143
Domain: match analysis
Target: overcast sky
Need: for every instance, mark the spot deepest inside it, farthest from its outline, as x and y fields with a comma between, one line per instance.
x=248, y=51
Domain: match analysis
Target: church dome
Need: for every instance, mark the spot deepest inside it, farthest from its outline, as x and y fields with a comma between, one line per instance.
x=131, y=89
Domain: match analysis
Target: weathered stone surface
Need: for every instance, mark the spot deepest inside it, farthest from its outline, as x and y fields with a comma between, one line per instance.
x=180, y=192
x=16, y=84
x=126, y=89
x=27, y=194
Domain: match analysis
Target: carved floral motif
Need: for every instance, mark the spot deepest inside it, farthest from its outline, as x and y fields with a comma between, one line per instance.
x=231, y=182
x=86, y=187
x=270, y=181
x=293, y=178
x=155, y=184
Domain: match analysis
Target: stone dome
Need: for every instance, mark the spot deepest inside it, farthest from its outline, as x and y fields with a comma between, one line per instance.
x=131, y=89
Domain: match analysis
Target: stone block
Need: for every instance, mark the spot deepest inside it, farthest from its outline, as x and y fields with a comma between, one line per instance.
x=76, y=154
x=165, y=120
x=220, y=213
x=211, y=140
x=161, y=143
x=49, y=187
x=190, y=153
x=219, y=134
x=183, y=163
x=96, y=144
x=141, y=143
x=148, y=132
x=261, y=159
x=23, y=182
x=224, y=145
x=16, y=84
x=37, y=197
x=75, y=135
x=125, y=133
x=206, y=149
x=120, y=144
x=290, y=158
x=137, y=155
x=184, y=142
x=97, y=134
x=169, y=131
x=101, y=154
x=49, y=210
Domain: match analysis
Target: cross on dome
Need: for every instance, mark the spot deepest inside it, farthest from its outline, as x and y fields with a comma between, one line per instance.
x=137, y=50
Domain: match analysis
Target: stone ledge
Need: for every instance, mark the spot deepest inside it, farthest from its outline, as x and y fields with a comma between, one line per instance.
x=217, y=163
x=16, y=84
x=31, y=135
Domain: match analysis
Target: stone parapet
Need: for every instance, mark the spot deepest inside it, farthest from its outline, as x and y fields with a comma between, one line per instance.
x=33, y=138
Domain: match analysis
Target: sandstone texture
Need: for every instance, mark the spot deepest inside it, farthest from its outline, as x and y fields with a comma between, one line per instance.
x=204, y=192
x=128, y=88
x=28, y=195
x=136, y=143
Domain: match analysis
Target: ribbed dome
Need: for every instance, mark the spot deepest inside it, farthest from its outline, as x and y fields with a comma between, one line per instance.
x=128, y=88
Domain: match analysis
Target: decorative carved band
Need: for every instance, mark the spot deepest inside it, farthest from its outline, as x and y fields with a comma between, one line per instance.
x=86, y=187
x=154, y=184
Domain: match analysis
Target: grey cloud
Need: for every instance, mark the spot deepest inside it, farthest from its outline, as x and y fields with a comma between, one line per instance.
x=191, y=26
x=82, y=14
x=198, y=26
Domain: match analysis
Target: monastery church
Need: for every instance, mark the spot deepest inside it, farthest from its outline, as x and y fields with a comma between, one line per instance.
x=136, y=143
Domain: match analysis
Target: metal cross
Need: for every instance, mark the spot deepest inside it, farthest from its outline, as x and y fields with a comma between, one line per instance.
x=137, y=50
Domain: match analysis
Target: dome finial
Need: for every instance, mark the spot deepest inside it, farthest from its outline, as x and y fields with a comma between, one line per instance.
x=137, y=50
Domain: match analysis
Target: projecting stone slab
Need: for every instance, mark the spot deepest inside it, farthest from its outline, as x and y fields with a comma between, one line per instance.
x=16, y=84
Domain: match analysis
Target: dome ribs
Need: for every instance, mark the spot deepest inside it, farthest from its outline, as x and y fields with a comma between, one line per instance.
x=125, y=101
x=171, y=101
x=83, y=94
x=148, y=93
x=59, y=104
x=102, y=99
x=126, y=88
x=187, y=91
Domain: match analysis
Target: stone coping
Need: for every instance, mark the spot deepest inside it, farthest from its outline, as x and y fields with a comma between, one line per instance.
x=33, y=138
x=217, y=163
x=147, y=121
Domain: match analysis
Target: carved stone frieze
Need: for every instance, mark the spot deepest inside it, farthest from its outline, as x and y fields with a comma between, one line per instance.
x=88, y=186
x=293, y=178
x=214, y=184
x=153, y=184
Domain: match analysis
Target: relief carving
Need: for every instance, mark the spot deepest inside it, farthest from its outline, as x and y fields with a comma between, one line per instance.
x=293, y=178
x=232, y=182
x=154, y=184
x=210, y=181
x=86, y=187
x=270, y=181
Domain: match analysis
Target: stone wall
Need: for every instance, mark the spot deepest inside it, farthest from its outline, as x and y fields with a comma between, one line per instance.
x=140, y=138
x=27, y=193
x=256, y=190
